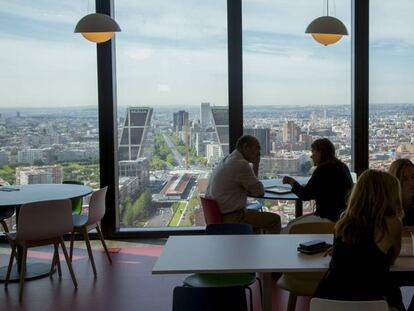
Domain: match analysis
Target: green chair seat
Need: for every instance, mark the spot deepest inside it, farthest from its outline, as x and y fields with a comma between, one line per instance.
x=220, y=280
x=76, y=202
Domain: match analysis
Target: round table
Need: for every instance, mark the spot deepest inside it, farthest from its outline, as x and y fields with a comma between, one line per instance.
x=35, y=193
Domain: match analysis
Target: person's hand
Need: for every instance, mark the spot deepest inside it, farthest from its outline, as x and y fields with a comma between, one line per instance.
x=328, y=252
x=288, y=180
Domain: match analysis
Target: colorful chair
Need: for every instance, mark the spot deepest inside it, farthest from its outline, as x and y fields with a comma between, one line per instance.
x=76, y=202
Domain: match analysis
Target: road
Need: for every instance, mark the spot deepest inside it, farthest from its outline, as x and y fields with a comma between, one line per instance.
x=162, y=218
x=178, y=157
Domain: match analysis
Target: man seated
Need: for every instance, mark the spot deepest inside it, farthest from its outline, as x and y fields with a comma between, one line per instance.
x=234, y=179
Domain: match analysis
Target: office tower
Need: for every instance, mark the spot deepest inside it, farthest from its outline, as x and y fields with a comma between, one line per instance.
x=205, y=115
x=180, y=120
x=291, y=132
x=134, y=132
x=51, y=174
x=306, y=140
x=220, y=116
x=263, y=136
x=131, y=145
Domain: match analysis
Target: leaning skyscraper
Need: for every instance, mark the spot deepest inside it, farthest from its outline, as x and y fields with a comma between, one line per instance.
x=131, y=152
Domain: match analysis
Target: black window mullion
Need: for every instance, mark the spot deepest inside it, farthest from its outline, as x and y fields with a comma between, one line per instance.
x=235, y=70
x=360, y=84
x=108, y=140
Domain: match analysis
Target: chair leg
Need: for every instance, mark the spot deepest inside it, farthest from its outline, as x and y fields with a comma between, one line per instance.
x=23, y=272
x=72, y=237
x=9, y=268
x=292, y=302
x=251, y=297
x=260, y=290
x=88, y=247
x=103, y=243
x=5, y=228
x=56, y=260
x=69, y=263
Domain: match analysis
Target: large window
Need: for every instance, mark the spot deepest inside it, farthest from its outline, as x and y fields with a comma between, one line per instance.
x=391, y=79
x=172, y=108
x=48, y=95
x=295, y=90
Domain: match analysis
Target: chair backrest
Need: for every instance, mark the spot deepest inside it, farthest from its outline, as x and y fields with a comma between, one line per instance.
x=228, y=228
x=202, y=184
x=211, y=211
x=97, y=206
x=209, y=299
x=44, y=220
x=318, y=304
x=312, y=228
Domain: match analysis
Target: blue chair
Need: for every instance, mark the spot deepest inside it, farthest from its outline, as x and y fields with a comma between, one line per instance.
x=209, y=299
x=226, y=279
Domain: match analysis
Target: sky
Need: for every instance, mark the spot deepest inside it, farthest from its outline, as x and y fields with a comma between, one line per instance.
x=174, y=52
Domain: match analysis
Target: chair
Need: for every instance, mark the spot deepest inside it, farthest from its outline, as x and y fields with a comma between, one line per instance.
x=6, y=212
x=211, y=211
x=76, y=202
x=303, y=284
x=84, y=223
x=225, y=280
x=41, y=223
x=318, y=304
x=209, y=299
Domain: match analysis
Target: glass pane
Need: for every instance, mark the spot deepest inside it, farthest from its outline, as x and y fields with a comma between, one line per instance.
x=172, y=73
x=48, y=95
x=295, y=89
x=391, y=78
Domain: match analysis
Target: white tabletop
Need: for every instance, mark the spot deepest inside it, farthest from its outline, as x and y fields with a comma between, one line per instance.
x=239, y=253
x=248, y=253
x=41, y=192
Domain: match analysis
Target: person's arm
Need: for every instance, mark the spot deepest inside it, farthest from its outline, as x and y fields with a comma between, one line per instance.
x=246, y=177
x=310, y=190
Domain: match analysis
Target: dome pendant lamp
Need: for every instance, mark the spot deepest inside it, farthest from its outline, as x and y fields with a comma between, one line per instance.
x=97, y=27
x=327, y=29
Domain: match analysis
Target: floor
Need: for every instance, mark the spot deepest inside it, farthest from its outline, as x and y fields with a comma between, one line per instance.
x=127, y=284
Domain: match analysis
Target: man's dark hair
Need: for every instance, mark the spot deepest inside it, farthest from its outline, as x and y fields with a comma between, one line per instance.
x=245, y=140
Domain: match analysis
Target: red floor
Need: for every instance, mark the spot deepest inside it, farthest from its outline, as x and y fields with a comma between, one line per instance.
x=127, y=284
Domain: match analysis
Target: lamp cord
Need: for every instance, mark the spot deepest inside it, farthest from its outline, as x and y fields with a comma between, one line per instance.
x=327, y=7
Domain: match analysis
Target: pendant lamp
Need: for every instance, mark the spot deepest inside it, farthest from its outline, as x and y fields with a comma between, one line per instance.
x=97, y=27
x=327, y=29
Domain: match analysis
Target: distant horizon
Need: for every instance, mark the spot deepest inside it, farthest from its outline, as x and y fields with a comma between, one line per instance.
x=10, y=108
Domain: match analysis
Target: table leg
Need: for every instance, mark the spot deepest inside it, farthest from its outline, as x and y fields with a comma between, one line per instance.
x=298, y=208
x=267, y=291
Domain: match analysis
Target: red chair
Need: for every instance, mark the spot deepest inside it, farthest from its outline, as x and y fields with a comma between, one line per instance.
x=211, y=211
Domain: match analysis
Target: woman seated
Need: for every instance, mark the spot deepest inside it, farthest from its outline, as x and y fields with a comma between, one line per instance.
x=403, y=169
x=367, y=242
x=330, y=183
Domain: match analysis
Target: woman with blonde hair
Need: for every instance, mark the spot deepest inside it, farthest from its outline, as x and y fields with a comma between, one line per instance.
x=367, y=242
x=403, y=169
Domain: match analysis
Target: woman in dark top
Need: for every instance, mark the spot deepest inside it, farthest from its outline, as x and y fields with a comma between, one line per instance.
x=403, y=169
x=330, y=183
x=367, y=242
